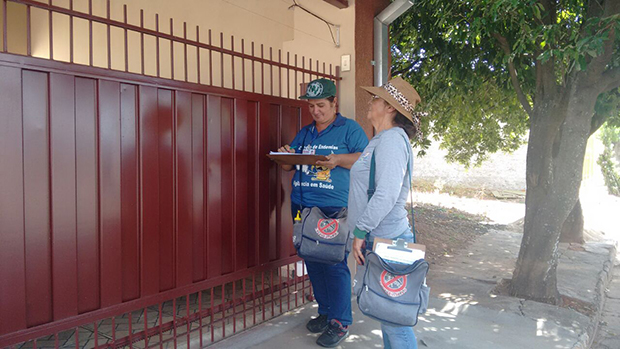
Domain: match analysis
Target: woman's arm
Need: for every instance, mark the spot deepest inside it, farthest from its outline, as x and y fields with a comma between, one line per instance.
x=342, y=160
x=391, y=157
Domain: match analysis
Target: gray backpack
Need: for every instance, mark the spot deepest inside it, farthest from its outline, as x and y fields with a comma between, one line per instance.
x=391, y=292
x=323, y=239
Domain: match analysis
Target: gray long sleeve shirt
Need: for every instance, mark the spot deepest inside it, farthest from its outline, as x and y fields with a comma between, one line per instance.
x=384, y=215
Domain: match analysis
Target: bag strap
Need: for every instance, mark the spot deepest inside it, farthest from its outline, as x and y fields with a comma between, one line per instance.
x=372, y=186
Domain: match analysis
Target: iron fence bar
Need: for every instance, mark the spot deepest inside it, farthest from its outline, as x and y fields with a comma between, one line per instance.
x=198, y=57
x=210, y=61
x=156, y=33
x=28, y=32
x=5, y=27
x=51, y=28
x=188, y=322
x=174, y=320
x=90, y=34
x=70, y=32
x=109, y=35
x=171, y=49
x=271, y=71
x=185, y=49
x=242, y=65
x=157, y=44
x=232, y=65
x=126, y=43
x=142, y=43
x=221, y=60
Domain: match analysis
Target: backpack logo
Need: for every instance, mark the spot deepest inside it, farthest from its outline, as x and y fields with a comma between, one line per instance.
x=327, y=228
x=314, y=89
x=393, y=285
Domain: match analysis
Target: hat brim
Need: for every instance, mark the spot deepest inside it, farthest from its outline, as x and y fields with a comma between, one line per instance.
x=383, y=94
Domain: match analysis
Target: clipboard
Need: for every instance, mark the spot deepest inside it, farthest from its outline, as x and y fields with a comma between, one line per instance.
x=295, y=159
x=399, y=251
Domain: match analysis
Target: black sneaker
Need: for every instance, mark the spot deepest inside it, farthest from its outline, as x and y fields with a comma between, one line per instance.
x=333, y=335
x=318, y=324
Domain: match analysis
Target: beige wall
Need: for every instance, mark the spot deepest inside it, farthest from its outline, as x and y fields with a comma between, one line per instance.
x=267, y=22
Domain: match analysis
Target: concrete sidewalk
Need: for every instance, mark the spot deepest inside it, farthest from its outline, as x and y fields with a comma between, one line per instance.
x=463, y=312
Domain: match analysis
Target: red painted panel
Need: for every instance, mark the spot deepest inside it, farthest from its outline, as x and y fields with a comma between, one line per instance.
x=129, y=194
x=266, y=171
x=290, y=126
x=198, y=188
x=184, y=189
x=87, y=194
x=227, y=185
x=64, y=234
x=214, y=189
x=274, y=186
x=12, y=259
x=149, y=190
x=243, y=206
x=37, y=198
x=166, y=189
x=253, y=178
x=110, y=192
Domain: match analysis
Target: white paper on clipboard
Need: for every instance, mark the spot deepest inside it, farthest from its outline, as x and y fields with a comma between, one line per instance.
x=399, y=255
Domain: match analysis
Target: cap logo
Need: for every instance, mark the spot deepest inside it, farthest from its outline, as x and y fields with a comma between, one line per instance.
x=314, y=89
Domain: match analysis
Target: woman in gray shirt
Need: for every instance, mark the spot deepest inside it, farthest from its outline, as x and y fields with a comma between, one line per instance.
x=384, y=215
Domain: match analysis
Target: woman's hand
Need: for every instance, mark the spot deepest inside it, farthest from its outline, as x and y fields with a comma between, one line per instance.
x=357, y=250
x=286, y=149
x=332, y=161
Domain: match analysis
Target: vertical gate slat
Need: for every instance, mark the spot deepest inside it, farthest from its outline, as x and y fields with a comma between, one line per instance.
x=110, y=192
x=12, y=259
x=265, y=172
x=166, y=188
x=288, y=131
x=185, y=188
x=149, y=190
x=214, y=190
x=36, y=198
x=129, y=193
x=242, y=195
x=274, y=192
x=227, y=180
x=87, y=194
x=198, y=186
x=63, y=170
x=253, y=184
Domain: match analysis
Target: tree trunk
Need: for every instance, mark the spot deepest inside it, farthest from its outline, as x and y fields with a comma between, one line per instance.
x=572, y=229
x=556, y=149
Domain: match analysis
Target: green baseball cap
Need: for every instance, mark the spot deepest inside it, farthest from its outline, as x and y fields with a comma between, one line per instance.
x=319, y=89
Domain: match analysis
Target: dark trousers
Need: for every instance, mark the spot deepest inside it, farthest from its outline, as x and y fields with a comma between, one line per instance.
x=331, y=283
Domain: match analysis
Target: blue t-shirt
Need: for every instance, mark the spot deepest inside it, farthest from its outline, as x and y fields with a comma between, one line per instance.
x=321, y=186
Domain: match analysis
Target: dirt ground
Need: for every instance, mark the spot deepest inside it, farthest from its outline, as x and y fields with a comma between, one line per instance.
x=444, y=231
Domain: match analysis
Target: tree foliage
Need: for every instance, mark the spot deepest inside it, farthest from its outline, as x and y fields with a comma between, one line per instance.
x=466, y=57
x=491, y=69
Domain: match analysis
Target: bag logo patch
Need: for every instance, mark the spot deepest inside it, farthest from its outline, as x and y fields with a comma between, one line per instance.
x=394, y=286
x=327, y=228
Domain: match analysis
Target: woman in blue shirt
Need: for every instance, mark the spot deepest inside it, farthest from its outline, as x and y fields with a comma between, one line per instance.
x=326, y=185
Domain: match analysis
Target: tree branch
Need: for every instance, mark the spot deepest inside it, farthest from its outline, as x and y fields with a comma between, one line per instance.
x=609, y=80
x=598, y=64
x=503, y=43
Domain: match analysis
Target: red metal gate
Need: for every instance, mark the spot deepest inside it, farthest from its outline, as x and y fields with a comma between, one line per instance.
x=137, y=209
